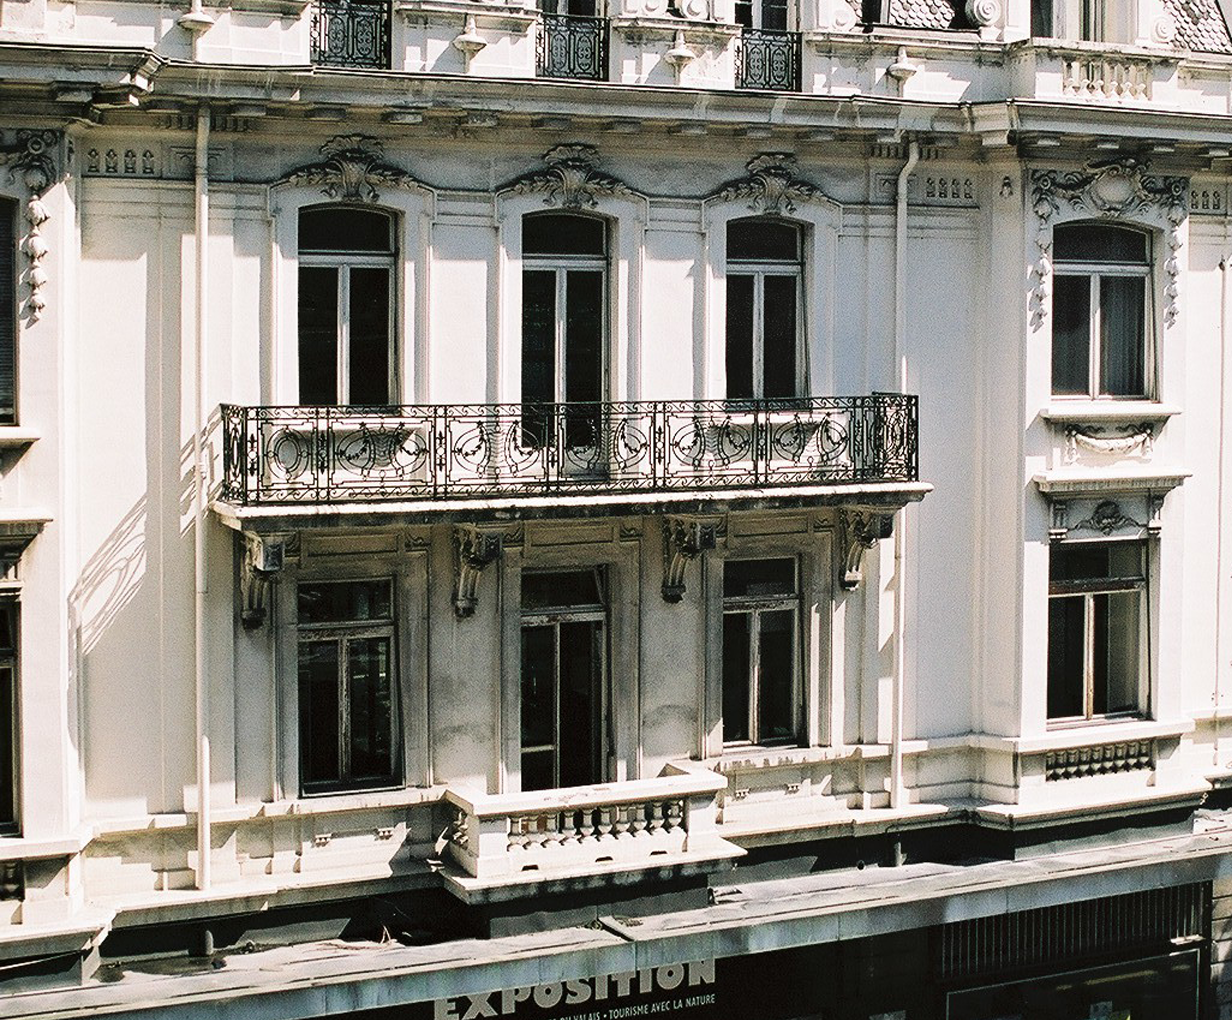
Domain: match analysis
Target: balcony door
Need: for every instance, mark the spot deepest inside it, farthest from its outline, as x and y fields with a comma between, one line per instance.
x=766, y=15
x=564, y=327
x=565, y=728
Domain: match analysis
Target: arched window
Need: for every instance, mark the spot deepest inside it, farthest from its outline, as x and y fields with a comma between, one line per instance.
x=1101, y=311
x=564, y=318
x=346, y=260
x=765, y=359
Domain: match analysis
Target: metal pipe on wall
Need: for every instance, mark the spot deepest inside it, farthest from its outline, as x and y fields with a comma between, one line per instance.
x=897, y=791
x=201, y=675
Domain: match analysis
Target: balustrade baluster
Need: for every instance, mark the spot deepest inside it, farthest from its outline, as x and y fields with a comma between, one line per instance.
x=603, y=825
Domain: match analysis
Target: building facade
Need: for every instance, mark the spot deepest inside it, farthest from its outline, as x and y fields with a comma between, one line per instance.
x=575, y=510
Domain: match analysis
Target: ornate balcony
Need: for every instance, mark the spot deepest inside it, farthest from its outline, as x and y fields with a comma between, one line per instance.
x=769, y=60
x=460, y=455
x=351, y=33
x=554, y=834
x=572, y=46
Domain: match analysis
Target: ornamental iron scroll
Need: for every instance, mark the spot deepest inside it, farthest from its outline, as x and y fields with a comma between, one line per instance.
x=571, y=180
x=771, y=187
x=352, y=170
x=31, y=159
x=1109, y=189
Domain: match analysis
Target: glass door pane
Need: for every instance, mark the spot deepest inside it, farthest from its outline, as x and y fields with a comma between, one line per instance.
x=779, y=330
x=318, y=335
x=371, y=708
x=737, y=664
x=580, y=744
x=538, y=707
x=739, y=337
x=775, y=672
x=318, y=696
x=538, y=354
x=369, y=341
x=583, y=381
x=1071, y=335
x=1122, y=307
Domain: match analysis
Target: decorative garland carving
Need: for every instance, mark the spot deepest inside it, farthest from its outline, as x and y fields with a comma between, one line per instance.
x=476, y=549
x=1139, y=436
x=352, y=170
x=772, y=187
x=860, y=530
x=1111, y=189
x=571, y=180
x=32, y=160
x=683, y=542
x=1106, y=518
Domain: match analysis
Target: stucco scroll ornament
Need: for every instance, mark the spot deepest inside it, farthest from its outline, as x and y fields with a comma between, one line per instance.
x=31, y=159
x=353, y=168
x=1106, y=518
x=571, y=179
x=1111, y=189
x=772, y=187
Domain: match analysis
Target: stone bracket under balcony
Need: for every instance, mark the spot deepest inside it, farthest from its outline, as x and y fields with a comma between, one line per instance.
x=288, y=468
x=505, y=845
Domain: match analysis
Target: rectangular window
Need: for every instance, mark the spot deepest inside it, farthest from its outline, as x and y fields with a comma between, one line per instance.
x=564, y=698
x=761, y=691
x=8, y=312
x=1097, y=630
x=347, y=685
x=9, y=730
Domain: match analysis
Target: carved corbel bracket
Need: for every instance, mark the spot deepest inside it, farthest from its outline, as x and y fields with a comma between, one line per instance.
x=861, y=530
x=683, y=541
x=476, y=548
x=264, y=558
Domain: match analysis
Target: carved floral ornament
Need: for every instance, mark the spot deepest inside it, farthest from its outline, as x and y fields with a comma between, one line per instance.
x=1108, y=189
x=31, y=160
x=771, y=187
x=571, y=179
x=352, y=170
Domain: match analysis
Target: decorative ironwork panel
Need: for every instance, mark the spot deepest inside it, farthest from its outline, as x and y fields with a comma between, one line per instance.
x=572, y=46
x=453, y=451
x=351, y=33
x=768, y=60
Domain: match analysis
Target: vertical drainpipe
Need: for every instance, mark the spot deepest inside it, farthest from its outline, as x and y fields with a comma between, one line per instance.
x=897, y=792
x=201, y=179
x=1219, y=521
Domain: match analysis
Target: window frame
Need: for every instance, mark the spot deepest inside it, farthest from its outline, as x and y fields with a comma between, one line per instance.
x=1095, y=272
x=752, y=607
x=1089, y=590
x=11, y=660
x=759, y=270
x=344, y=261
x=12, y=309
x=343, y=632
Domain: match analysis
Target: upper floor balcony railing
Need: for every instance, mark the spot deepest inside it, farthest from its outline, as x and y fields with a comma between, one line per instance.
x=768, y=59
x=572, y=46
x=315, y=455
x=351, y=33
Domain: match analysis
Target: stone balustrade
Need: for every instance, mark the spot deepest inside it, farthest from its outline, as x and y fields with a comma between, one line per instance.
x=646, y=822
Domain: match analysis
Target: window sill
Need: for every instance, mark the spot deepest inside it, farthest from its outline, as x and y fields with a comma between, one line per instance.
x=1110, y=412
x=1078, y=482
x=1062, y=737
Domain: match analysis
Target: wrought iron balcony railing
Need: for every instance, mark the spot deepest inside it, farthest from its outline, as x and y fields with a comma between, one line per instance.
x=572, y=46
x=767, y=59
x=351, y=33
x=314, y=455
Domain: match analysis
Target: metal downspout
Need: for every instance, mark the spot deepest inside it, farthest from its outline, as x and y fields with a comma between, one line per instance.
x=1219, y=502
x=201, y=675
x=897, y=791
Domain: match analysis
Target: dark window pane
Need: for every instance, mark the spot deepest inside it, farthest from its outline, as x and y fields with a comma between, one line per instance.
x=1116, y=654
x=763, y=241
x=318, y=335
x=538, y=687
x=537, y=770
x=579, y=703
x=744, y=13
x=318, y=712
x=1066, y=653
x=371, y=707
x=8, y=629
x=369, y=348
x=343, y=601
x=1122, y=303
x=538, y=336
x=583, y=335
x=736, y=677
x=1071, y=334
x=560, y=589
x=739, y=336
x=774, y=15
x=345, y=230
x=1097, y=561
x=1099, y=243
x=775, y=672
x=779, y=352
x=1041, y=18
x=563, y=234
x=8, y=746
x=752, y=578
x=8, y=311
